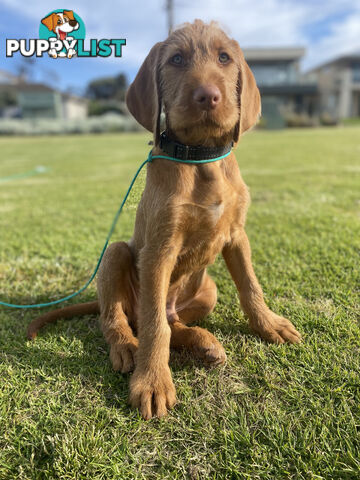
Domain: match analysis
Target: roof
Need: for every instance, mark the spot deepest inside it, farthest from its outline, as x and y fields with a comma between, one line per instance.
x=271, y=54
x=70, y=96
x=7, y=77
x=30, y=88
x=34, y=87
x=42, y=88
x=341, y=60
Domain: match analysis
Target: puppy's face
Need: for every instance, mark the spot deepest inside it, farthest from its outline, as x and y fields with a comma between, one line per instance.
x=61, y=23
x=200, y=78
x=199, y=75
x=65, y=24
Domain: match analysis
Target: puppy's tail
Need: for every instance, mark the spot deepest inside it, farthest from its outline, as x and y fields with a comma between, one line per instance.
x=67, y=312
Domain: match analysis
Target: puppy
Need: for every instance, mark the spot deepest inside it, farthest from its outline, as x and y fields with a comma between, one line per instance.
x=153, y=287
x=62, y=24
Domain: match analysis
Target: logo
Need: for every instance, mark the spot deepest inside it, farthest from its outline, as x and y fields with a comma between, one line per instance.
x=62, y=28
x=62, y=35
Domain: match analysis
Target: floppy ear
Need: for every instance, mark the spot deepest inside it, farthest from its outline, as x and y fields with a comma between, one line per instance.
x=250, y=104
x=143, y=98
x=249, y=99
x=69, y=14
x=49, y=21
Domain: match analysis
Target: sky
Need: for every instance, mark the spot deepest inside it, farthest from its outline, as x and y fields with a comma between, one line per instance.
x=326, y=28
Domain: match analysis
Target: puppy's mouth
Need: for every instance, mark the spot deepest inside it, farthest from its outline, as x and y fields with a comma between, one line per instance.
x=211, y=121
x=205, y=120
x=209, y=118
x=62, y=34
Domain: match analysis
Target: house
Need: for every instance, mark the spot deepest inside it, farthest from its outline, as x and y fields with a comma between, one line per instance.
x=74, y=107
x=339, y=86
x=21, y=99
x=8, y=98
x=284, y=90
x=37, y=100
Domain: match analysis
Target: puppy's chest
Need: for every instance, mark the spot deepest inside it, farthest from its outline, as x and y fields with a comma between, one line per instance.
x=205, y=230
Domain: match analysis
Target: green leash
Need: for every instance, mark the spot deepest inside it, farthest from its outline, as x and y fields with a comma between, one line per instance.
x=17, y=176
x=112, y=228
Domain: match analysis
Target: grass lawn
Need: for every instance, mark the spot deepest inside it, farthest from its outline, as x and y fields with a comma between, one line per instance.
x=272, y=412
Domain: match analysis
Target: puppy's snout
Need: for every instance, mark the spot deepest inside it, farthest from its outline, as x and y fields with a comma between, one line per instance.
x=73, y=23
x=207, y=96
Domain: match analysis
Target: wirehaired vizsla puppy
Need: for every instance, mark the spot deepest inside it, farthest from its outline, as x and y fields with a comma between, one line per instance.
x=157, y=283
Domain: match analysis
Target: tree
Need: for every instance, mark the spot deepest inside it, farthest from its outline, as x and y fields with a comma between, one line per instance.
x=108, y=88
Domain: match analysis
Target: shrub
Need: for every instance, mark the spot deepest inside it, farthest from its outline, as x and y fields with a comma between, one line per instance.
x=299, y=120
x=105, y=123
x=328, y=120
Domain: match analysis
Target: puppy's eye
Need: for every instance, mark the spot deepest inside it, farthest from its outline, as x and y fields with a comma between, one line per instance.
x=59, y=22
x=177, y=59
x=224, y=57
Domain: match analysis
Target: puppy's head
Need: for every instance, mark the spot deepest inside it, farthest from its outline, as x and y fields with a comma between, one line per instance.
x=200, y=78
x=61, y=23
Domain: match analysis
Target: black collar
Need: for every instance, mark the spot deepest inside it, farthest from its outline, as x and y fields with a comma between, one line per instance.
x=189, y=152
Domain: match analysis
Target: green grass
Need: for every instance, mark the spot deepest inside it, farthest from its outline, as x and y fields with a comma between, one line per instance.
x=272, y=412
x=351, y=121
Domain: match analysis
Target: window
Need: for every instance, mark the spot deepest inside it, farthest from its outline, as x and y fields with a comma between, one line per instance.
x=276, y=73
x=355, y=67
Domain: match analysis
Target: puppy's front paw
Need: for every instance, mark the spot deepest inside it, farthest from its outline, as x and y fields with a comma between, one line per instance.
x=122, y=355
x=71, y=53
x=276, y=329
x=152, y=391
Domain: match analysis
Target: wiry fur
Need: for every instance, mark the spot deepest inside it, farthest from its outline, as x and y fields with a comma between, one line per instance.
x=157, y=283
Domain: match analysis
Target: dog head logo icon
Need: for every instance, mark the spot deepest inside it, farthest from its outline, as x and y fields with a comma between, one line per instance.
x=64, y=26
x=61, y=23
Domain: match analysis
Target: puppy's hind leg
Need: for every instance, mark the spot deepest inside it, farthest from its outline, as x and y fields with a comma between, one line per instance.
x=117, y=298
x=199, y=341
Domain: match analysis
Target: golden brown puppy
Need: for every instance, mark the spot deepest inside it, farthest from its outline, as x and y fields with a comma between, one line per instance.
x=157, y=283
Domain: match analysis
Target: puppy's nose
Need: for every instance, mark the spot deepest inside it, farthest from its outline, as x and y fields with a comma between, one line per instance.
x=73, y=23
x=207, y=96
